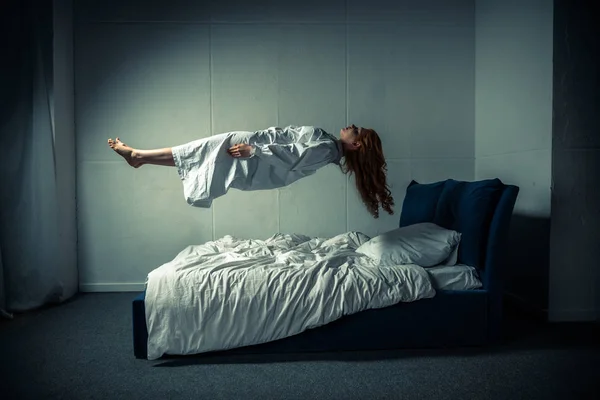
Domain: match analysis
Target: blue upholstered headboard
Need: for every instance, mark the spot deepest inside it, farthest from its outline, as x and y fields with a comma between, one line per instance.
x=498, y=236
x=481, y=211
x=495, y=258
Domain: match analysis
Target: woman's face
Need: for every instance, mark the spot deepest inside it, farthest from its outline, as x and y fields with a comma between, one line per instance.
x=349, y=134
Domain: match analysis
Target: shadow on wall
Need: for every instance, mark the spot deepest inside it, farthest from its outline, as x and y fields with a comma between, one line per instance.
x=528, y=262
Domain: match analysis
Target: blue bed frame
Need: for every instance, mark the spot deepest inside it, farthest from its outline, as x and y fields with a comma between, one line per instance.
x=450, y=319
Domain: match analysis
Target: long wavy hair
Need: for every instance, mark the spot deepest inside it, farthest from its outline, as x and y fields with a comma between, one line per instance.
x=369, y=168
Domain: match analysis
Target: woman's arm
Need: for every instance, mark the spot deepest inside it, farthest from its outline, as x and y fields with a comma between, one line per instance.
x=295, y=156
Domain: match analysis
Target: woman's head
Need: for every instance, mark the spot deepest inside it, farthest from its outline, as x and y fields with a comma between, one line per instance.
x=363, y=157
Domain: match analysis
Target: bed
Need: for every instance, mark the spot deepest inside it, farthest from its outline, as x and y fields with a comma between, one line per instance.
x=465, y=308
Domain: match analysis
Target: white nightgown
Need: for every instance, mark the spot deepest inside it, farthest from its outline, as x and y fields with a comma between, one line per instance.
x=280, y=156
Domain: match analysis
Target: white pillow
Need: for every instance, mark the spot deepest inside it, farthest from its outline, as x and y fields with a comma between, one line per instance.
x=425, y=244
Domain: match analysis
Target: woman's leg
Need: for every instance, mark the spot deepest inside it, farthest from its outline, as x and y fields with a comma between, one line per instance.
x=155, y=157
x=136, y=158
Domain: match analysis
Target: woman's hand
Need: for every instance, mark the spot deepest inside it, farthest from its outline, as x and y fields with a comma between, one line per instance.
x=240, y=150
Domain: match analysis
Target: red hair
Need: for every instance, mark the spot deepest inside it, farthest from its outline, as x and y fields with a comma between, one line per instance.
x=369, y=167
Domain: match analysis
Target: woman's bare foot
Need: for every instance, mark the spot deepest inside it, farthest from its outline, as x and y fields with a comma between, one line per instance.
x=126, y=152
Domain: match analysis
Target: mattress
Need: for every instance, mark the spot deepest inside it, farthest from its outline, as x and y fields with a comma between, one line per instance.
x=454, y=277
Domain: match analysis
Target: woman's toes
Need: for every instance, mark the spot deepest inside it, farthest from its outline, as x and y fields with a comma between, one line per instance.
x=119, y=141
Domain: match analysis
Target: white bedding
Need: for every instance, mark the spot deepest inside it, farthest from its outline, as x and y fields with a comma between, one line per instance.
x=454, y=277
x=231, y=293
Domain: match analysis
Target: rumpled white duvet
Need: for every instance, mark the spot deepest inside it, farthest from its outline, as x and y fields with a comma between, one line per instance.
x=230, y=292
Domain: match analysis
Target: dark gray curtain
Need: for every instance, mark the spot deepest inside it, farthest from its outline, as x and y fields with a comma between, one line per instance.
x=29, y=236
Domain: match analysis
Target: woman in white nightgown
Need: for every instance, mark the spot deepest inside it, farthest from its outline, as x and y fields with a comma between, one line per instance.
x=269, y=159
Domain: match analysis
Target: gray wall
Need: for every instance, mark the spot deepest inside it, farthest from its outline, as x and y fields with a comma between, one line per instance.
x=168, y=72
x=513, y=130
x=575, y=250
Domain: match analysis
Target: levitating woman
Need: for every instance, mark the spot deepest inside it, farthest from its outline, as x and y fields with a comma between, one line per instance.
x=269, y=159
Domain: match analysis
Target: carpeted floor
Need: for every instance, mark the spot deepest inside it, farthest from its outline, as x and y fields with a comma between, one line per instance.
x=83, y=350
